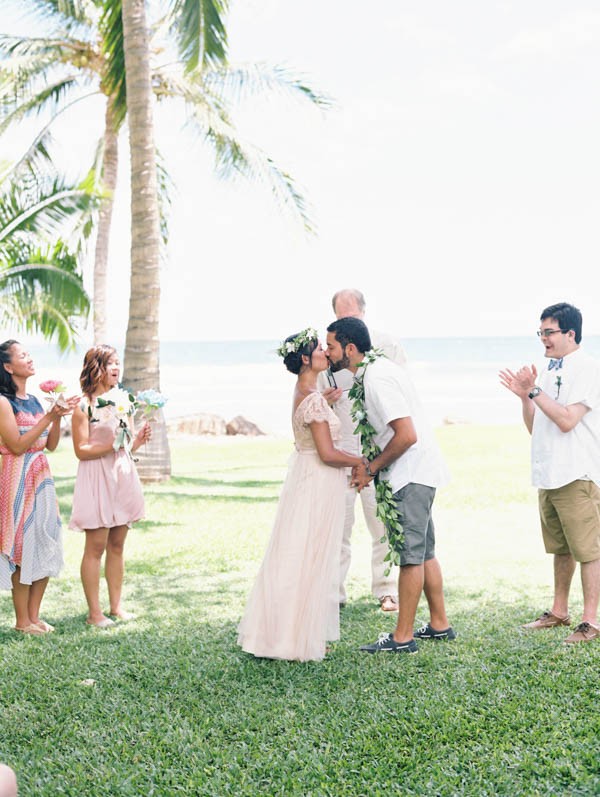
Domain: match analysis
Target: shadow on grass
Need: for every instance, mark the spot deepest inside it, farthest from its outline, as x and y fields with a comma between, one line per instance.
x=204, y=482
x=214, y=717
x=225, y=497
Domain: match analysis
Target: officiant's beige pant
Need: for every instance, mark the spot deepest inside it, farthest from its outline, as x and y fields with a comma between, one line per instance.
x=381, y=584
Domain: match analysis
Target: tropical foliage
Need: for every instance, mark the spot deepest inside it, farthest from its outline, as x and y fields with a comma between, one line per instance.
x=43, y=224
x=83, y=56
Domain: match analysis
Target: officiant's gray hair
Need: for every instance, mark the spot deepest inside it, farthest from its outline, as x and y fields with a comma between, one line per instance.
x=347, y=293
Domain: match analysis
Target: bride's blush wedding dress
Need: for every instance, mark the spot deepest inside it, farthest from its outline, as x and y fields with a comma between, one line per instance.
x=293, y=609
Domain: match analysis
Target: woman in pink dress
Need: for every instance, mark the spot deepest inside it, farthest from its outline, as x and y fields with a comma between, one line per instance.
x=30, y=528
x=108, y=495
x=293, y=609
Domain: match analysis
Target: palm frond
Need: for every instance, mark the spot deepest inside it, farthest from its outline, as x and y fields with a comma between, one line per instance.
x=44, y=293
x=235, y=157
x=246, y=81
x=65, y=14
x=50, y=96
x=200, y=31
x=165, y=189
x=113, y=81
x=52, y=207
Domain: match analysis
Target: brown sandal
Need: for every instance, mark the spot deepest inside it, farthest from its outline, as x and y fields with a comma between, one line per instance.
x=388, y=603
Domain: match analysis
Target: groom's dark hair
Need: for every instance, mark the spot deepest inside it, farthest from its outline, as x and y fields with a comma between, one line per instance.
x=351, y=330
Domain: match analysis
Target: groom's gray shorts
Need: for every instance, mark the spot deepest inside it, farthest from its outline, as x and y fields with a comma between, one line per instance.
x=414, y=503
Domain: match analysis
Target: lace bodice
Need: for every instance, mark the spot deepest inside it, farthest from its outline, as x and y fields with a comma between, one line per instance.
x=313, y=408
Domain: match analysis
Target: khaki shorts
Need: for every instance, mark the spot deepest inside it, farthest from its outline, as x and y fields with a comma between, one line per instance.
x=570, y=517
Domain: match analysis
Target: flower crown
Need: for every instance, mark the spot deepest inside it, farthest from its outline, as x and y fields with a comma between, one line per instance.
x=294, y=345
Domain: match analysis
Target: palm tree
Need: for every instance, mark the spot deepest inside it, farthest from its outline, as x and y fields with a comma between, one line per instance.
x=200, y=76
x=41, y=288
x=83, y=57
x=141, y=367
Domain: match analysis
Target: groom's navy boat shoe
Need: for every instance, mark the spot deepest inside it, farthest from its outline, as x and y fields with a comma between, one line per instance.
x=387, y=644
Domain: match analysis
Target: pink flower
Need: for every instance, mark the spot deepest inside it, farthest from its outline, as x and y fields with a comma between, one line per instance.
x=52, y=386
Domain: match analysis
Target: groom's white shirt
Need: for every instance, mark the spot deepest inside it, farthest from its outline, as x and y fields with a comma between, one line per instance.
x=345, y=379
x=389, y=395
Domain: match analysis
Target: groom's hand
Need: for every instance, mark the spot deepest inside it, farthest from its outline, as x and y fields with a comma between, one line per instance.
x=360, y=477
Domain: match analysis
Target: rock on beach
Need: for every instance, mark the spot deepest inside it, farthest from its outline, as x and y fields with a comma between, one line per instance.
x=206, y=423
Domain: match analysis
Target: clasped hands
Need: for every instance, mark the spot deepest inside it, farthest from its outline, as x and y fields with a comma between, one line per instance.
x=360, y=477
x=521, y=382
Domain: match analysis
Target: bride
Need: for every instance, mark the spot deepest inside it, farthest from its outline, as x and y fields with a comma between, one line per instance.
x=293, y=607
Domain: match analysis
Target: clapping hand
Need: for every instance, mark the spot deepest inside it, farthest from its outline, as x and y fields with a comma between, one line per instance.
x=64, y=406
x=521, y=382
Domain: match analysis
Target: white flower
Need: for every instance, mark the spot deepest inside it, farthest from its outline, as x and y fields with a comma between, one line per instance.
x=120, y=399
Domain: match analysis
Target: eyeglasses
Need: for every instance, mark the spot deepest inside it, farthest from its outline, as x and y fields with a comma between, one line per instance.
x=546, y=333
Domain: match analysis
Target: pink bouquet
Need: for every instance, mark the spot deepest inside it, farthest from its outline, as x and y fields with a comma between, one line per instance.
x=56, y=392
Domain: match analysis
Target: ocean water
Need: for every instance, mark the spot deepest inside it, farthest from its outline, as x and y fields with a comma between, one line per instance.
x=457, y=378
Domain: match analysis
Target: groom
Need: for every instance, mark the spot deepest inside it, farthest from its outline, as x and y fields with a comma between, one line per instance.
x=410, y=461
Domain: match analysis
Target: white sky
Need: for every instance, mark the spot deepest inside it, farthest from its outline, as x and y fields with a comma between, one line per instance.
x=457, y=181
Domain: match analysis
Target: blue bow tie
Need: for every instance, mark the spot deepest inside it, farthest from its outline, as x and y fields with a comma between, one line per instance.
x=555, y=364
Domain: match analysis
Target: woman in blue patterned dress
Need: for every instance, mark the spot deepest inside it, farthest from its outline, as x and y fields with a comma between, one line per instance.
x=30, y=529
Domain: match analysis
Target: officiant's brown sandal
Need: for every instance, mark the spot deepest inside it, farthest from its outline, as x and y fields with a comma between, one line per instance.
x=388, y=603
x=547, y=620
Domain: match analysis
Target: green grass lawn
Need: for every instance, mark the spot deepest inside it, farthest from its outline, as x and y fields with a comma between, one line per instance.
x=168, y=704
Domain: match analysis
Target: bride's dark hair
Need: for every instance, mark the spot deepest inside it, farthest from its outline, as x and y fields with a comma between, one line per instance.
x=293, y=360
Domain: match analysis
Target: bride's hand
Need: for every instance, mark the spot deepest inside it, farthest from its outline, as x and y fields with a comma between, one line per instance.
x=332, y=394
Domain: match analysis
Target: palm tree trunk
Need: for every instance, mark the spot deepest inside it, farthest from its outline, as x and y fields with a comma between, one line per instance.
x=110, y=165
x=141, y=366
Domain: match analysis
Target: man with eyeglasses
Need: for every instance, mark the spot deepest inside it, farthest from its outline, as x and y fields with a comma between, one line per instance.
x=561, y=410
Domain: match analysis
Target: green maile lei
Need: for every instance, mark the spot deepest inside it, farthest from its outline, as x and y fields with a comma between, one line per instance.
x=386, y=506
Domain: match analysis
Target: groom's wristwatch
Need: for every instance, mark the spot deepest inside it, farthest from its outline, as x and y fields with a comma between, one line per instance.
x=535, y=391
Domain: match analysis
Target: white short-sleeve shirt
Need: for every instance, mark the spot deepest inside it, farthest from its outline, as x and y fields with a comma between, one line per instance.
x=559, y=458
x=344, y=379
x=389, y=395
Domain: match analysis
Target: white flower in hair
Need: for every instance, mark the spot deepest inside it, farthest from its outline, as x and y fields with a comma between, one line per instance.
x=306, y=336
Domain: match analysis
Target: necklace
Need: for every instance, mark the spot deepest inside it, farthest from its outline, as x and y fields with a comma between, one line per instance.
x=387, y=511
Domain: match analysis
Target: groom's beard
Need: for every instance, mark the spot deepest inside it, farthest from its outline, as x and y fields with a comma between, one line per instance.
x=340, y=364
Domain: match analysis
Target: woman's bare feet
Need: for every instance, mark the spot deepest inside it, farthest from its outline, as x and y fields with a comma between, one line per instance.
x=100, y=622
x=122, y=615
x=46, y=627
x=36, y=630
